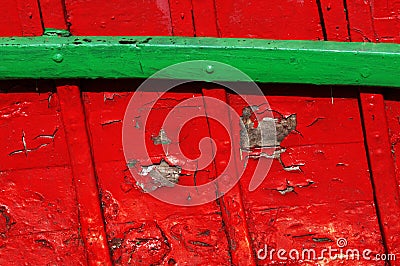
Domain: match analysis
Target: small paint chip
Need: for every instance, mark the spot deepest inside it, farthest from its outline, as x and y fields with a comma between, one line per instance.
x=286, y=190
x=161, y=138
x=131, y=163
x=321, y=239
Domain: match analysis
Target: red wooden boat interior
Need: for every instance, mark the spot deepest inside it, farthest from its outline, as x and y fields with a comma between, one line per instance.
x=67, y=196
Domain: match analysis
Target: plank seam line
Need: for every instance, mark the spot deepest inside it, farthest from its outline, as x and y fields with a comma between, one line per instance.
x=41, y=16
x=321, y=19
x=346, y=10
x=372, y=180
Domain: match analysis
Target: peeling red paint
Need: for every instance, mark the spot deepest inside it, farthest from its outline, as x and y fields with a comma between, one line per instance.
x=121, y=196
x=57, y=208
x=333, y=171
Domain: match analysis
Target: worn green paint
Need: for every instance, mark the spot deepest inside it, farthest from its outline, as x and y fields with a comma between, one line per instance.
x=309, y=62
x=56, y=32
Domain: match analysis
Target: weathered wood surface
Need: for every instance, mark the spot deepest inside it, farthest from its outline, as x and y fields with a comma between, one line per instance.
x=40, y=221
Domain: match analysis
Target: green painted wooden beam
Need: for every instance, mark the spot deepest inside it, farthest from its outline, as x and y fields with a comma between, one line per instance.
x=309, y=62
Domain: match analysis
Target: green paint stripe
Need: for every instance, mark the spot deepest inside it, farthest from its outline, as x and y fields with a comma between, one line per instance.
x=308, y=62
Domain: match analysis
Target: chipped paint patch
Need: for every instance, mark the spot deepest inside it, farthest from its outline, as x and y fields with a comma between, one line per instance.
x=269, y=132
x=160, y=175
x=162, y=138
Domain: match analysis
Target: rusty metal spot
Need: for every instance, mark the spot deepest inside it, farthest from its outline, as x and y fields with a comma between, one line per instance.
x=285, y=126
x=161, y=138
x=160, y=175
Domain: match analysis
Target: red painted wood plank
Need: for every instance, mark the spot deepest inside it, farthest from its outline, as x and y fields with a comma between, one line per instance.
x=374, y=21
x=316, y=227
x=316, y=109
x=30, y=17
x=53, y=14
x=329, y=174
x=47, y=248
x=9, y=19
x=270, y=20
x=91, y=219
x=193, y=235
x=31, y=127
x=231, y=203
x=361, y=21
x=336, y=25
x=119, y=17
x=392, y=107
x=386, y=22
x=382, y=167
x=205, y=18
x=20, y=18
x=182, y=18
x=311, y=208
x=39, y=220
x=34, y=201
